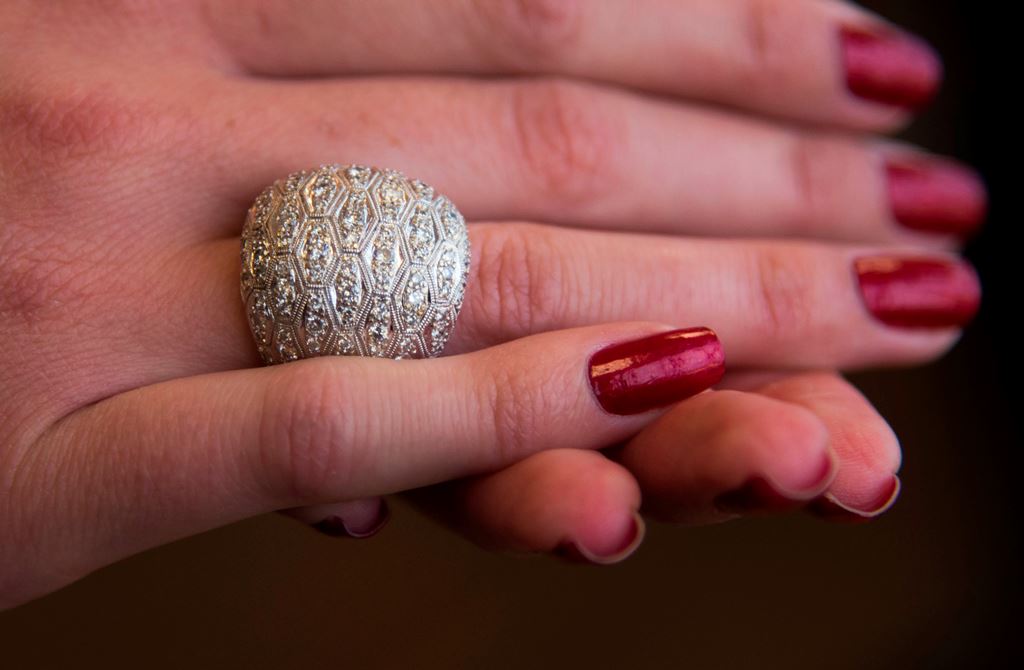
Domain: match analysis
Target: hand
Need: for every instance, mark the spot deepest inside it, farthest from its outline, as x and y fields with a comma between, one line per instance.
x=136, y=135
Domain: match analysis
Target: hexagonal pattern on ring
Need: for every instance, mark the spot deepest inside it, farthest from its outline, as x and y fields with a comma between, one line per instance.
x=352, y=261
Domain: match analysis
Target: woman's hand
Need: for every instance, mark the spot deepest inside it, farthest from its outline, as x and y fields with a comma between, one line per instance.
x=135, y=134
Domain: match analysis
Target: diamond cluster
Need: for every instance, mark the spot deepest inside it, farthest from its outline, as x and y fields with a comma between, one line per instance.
x=352, y=261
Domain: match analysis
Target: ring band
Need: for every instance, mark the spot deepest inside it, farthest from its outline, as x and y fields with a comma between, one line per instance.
x=353, y=261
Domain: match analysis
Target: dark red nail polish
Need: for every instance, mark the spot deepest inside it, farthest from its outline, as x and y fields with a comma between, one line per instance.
x=641, y=375
x=335, y=526
x=918, y=292
x=830, y=508
x=936, y=196
x=890, y=67
x=760, y=496
x=576, y=553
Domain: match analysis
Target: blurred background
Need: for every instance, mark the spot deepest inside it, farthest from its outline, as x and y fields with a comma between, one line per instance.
x=934, y=584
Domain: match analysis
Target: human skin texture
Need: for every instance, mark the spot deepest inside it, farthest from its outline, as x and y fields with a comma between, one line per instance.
x=628, y=171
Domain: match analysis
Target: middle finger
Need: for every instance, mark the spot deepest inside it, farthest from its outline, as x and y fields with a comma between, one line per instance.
x=586, y=155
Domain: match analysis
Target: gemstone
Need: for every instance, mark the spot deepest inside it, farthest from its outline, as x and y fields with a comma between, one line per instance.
x=415, y=299
x=320, y=191
x=391, y=197
x=353, y=218
x=317, y=252
x=419, y=231
x=348, y=286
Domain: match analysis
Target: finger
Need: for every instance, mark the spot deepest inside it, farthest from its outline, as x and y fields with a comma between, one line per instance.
x=725, y=453
x=775, y=304
x=866, y=484
x=823, y=62
x=164, y=461
x=573, y=502
x=583, y=155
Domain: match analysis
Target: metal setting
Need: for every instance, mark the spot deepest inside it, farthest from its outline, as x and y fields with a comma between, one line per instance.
x=352, y=261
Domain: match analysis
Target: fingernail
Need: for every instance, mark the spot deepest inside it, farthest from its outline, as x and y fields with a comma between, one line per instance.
x=637, y=376
x=335, y=526
x=890, y=67
x=936, y=196
x=761, y=495
x=577, y=553
x=829, y=508
x=911, y=292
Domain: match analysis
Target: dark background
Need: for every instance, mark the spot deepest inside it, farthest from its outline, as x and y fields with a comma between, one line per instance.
x=934, y=584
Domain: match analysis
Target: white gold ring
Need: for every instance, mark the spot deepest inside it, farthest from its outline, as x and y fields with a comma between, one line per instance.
x=353, y=261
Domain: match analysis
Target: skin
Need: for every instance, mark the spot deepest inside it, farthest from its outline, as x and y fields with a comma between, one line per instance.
x=136, y=134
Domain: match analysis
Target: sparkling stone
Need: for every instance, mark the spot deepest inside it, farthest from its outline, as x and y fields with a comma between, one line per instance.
x=260, y=318
x=391, y=197
x=352, y=219
x=292, y=182
x=285, y=345
x=285, y=289
x=358, y=176
x=320, y=191
x=256, y=259
x=448, y=275
x=408, y=347
x=316, y=323
x=378, y=327
x=261, y=208
x=440, y=331
x=317, y=253
x=451, y=220
x=385, y=258
x=419, y=230
x=415, y=299
x=346, y=345
x=349, y=290
x=287, y=225
x=422, y=191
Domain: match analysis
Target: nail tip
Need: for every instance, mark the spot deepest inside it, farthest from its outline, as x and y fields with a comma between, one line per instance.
x=577, y=553
x=335, y=526
x=831, y=508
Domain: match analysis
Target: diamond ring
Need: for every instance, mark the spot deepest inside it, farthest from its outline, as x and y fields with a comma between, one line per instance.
x=353, y=261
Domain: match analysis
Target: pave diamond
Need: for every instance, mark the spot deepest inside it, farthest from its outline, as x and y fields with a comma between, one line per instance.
x=415, y=299
x=286, y=226
x=448, y=273
x=391, y=197
x=353, y=218
x=378, y=327
x=385, y=258
x=284, y=289
x=349, y=290
x=285, y=345
x=451, y=220
x=320, y=191
x=419, y=230
x=317, y=252
x=316, y=324
x=358, y=176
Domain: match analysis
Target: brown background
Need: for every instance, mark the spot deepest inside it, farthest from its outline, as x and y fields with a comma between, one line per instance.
x=933, y=584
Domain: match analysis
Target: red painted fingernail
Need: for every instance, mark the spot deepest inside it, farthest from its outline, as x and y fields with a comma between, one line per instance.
x=936, y=196
x=335, y=526
x=918, y=292
x=829, y=508
x=577, y=553
x=890, y=67
x=634, y=377
x=759, y=495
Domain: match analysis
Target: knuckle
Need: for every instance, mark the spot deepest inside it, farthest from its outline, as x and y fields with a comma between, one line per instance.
x=71, y=124
x=768, y=36
x=822, y=173
x=565, y=139
x=307, y=433
x=518, y=285
x=532, y=33
x=786, y=305
x=514, y=404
